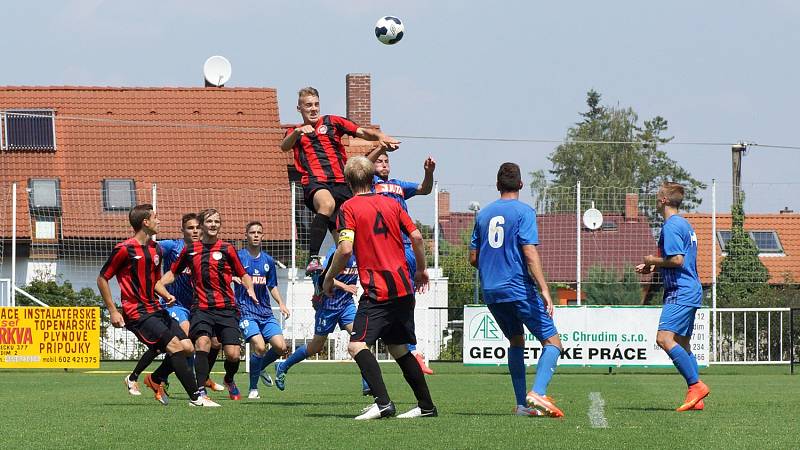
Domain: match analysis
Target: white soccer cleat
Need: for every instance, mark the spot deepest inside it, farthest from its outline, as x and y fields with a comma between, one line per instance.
x=214, y=386
x=253, y=394
x=521, y=410
x=133, y=386
x=374, y=411
x=419, y=412
x=203, y=400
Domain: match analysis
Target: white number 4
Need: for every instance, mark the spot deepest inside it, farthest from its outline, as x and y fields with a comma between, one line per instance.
x=496, y=231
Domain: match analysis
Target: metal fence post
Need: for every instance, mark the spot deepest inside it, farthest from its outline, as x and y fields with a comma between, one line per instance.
x=13, y=298
x=293, y=270
x=713, y=268
x=578, y=242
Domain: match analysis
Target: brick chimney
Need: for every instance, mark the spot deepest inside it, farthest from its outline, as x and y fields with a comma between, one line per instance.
x=359, y=98
x=444, y=205
x=631, y=207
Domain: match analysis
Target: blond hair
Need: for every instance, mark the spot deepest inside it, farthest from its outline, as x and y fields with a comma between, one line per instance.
x=306, y=91
x=673, y=192
x=358, y=172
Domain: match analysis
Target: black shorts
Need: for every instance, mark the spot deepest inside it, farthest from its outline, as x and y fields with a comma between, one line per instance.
x=392, y=321
x=222, y=323
x=156, y=330
x=340, y=191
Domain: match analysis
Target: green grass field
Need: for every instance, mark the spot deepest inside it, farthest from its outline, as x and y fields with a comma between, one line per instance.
x=753, y=407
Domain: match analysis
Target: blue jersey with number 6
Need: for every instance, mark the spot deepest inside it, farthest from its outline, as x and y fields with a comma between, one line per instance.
x=501, y=229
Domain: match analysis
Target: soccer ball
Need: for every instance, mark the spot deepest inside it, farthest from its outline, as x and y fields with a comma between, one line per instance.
x=389, y=30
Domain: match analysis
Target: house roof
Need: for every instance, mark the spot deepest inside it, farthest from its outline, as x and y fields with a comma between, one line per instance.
x=618, y=249
x=203, y=147
x=781, y=267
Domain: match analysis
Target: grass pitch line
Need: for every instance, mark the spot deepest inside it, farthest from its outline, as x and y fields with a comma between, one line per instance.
x=596, y=414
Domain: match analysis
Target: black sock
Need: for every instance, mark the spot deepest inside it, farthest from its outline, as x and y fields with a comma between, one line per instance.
x=144, y=361
x=231, y=367
x=371, y=372
x=212, y=358
x=319, y=228
x=162, y=372
x=416, y=379
x=184, y=374
x=201, y=368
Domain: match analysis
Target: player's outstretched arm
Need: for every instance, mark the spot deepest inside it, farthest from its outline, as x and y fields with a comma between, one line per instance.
x=534, y=263
x=385, y=141
x=426, y=186
x=105, y=291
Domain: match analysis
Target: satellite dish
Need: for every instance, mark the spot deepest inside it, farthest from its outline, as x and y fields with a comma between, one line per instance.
x=592, y=218
x=217, y=71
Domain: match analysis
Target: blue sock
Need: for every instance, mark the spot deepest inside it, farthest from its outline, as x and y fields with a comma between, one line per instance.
x=546, y=368
x=270, y=357
x=694, y=363
x=411, y=347
x=364, y=384
x=255, y=369
x=684, y=364
x=516, y=367
x=298, y=355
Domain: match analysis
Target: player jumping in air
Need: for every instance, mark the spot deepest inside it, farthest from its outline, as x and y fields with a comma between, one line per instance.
x=320, y=157
x=257, y=323
x=372, y=226
x=503, y=249
x=136, y=263
x=683, y=293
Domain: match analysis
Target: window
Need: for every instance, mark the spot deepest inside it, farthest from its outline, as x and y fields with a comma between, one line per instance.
x=45, y=194
x=29, y=130
x=118, y=195
x=766, y=240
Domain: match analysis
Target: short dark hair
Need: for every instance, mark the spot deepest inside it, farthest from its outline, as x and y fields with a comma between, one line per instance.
x=138, y=214
x=254, y=222
x=509, y=178
x=187, y=217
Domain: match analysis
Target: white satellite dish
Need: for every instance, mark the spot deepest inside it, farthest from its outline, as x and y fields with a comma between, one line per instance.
x=592, y=218
x=217, y=71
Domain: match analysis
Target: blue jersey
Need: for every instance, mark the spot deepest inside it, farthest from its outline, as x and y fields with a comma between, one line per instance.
x=340, y=299
x=397, y=189
x=681, y=284
x=265, y=277
x=182, y=287
x=501, y=229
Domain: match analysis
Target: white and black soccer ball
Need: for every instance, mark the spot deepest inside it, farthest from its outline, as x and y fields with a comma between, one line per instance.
x=389, y=30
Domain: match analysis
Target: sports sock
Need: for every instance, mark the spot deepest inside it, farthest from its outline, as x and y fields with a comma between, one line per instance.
x=545, y=368
x=212, y=359
x=185, y=375
x=683, y=362
x=144, y=361
x=371, y=371
x=201, y=368
x=298, y=355
x=317, y=232
x=364, y=384
x=516, y=367
x=694, y=364
x=255, y=369
x=416, y=379
x=163, y=370
x=231, y=367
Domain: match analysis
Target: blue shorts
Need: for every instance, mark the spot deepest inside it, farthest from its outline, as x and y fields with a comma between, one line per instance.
x=267, y=328
x=178, y=313
x=325, y=320
x=510, y=316
x=678, y=319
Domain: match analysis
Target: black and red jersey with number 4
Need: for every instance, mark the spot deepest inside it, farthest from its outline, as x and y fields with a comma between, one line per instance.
x=378, y=224
x=212, y=269
x=320, y=156
x=137, y=268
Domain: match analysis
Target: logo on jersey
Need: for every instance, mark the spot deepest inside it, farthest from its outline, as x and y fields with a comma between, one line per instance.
x=255, y=271
x=484, y=328
x=389, y=188
x=322, y=129
x=266, y=267
x=694, y=238
x=217, y=256
x=156, y=259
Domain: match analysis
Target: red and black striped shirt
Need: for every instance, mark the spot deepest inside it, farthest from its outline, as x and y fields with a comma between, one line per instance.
x=320, y=156
x=137, y=268
x=212, y=269
x=378, y=223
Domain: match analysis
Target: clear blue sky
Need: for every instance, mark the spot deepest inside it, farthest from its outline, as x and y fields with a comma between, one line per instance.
x=716, y=70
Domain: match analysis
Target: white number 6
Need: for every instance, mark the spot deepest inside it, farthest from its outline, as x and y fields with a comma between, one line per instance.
x=496, y=231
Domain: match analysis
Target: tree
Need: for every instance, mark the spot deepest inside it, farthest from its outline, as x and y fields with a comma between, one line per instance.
x=743, y=277
x=612, y=286
x=629, y=158
x=53, y=294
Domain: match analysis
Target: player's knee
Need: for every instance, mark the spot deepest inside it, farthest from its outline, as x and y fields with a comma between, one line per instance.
x=281, y=348
x=665, y=340
x=313, y=348
x=187, y=347
x=232, y=354
x=354, y=347
x=258, y=348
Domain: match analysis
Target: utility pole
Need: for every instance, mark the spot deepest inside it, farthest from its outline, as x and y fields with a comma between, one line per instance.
x=736, y=153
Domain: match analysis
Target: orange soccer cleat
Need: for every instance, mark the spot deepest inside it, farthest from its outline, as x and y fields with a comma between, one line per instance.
x=158, y=390
x=697, y=392
x=421, y=361
x=544, y=404
x=699, y=406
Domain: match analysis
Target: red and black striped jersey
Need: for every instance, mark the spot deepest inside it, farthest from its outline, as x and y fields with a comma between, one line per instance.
x=212, y=269
x=137, y=268
x=378, y=224
x=320, y=156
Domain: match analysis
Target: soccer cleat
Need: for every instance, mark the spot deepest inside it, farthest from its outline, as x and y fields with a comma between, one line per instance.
x=280, y=377
x=697, y=392
x=544, y=404
x=133, y=386
x=314, y=266
x=521, y=410
x=266, y=379
x=419, y=412
x=233, y=391
x=203, y=400
x=158, y=390
x=253, y=394
x=421, y=361
x=374, y=411
x=699, y=406
x=214, y=386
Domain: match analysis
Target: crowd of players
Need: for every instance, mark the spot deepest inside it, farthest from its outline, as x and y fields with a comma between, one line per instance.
x=190, y=298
